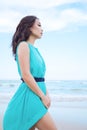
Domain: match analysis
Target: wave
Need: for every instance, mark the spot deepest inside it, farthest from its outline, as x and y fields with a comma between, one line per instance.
x=67, y=97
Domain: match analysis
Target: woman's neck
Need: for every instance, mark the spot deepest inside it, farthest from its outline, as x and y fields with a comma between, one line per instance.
x=31, y=40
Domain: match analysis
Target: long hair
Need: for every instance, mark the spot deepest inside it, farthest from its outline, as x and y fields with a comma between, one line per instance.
x=22, y=32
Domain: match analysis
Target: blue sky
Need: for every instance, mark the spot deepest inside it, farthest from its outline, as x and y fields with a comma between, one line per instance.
x=64, y=43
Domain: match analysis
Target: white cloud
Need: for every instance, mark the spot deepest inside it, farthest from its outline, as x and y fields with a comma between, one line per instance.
x=38, y=3
x=51, y=18
x=8, y=20
x=64, y=19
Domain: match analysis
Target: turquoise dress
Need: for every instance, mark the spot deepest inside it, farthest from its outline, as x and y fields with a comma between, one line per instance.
x=26, y=108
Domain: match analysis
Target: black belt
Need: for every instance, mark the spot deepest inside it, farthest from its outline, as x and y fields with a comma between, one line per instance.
x=36, y=79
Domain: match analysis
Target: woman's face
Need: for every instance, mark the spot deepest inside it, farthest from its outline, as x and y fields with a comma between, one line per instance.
x=36, y=29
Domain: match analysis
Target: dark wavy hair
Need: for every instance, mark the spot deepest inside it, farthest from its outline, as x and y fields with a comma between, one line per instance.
x=22, y=32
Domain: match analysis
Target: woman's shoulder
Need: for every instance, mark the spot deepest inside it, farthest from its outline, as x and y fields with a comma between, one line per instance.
x=22, y=43
x=25, y=44
x=22, y=46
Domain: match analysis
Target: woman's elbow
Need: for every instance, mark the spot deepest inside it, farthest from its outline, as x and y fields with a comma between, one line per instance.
x=26, y=75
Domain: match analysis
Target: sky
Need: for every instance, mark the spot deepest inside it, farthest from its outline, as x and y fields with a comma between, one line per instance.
x=63, y=44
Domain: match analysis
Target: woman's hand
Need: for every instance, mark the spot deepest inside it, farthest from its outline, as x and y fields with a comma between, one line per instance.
x=46, y=100
x=47, y=94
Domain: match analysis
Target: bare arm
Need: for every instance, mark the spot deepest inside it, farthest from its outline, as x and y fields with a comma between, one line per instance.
x=24, y=56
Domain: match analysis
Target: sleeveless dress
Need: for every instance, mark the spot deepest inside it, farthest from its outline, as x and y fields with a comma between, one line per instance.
x=26, y=108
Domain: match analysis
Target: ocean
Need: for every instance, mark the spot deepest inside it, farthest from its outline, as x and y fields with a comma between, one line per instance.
x=60, y=90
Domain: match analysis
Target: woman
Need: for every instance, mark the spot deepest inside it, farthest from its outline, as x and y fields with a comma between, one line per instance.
x=28, y=108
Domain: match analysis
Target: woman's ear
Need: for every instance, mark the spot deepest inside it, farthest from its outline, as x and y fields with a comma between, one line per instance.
x=31, y=29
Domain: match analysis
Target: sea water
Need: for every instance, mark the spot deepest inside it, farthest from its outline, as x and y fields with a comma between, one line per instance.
x=60, y=90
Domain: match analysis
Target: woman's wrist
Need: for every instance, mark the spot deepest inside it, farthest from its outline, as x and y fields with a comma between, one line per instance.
x=42, y=96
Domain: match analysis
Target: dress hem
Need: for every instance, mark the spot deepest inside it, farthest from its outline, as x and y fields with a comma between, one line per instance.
x=34, y=120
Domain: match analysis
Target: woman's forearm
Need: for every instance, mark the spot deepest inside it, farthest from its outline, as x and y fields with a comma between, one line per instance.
x=28, y=78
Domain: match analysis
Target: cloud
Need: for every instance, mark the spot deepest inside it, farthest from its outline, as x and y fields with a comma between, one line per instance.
x=52, y=18
x=70, y=16
x=64, y=19
x=37, y=3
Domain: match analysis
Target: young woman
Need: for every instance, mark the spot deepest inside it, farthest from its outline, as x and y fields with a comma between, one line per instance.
x=28, y=108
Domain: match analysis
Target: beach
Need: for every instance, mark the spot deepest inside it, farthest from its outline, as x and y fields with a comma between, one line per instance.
x=68, y=115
